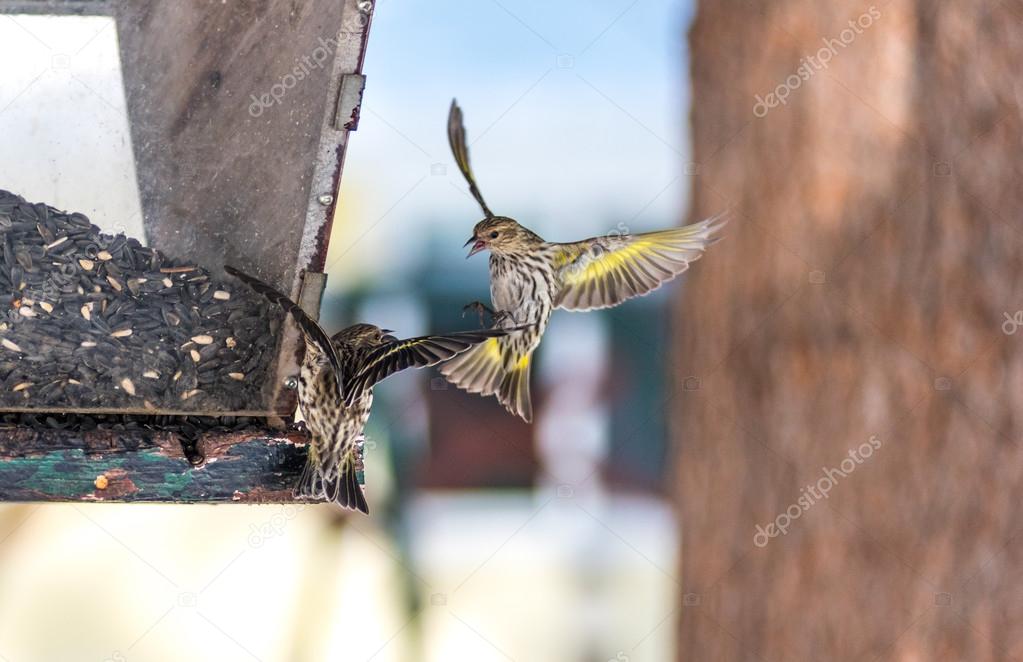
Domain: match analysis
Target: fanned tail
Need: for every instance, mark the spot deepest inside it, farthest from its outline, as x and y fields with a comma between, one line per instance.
x=482, y=370
x=342, y=486
x=310, y=485
x=478, y=370
x=514, y=390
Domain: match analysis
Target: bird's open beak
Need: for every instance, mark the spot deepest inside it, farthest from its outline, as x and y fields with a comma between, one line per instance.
x=476, y=248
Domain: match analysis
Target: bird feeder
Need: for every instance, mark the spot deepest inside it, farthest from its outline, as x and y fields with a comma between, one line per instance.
x=126, y=361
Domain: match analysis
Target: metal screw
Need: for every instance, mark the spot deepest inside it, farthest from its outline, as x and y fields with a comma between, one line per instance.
x=326, y=199
x=291, y=383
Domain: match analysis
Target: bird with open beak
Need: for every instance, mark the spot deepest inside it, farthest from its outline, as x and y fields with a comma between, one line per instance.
x=477, y=245
x=530, y=277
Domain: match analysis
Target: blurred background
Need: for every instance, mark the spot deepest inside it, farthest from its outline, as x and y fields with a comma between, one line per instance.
x=808, y=448
x=490, y=539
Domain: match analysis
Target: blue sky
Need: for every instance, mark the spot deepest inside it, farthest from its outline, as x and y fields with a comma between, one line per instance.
x=577, y=114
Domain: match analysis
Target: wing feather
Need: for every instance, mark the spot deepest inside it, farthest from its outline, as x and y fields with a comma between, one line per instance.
x=604, y=271
x=312, y=331
x=460, y=150
x=415, y=353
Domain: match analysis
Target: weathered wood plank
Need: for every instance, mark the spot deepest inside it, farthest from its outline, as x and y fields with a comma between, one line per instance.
x=256, y=465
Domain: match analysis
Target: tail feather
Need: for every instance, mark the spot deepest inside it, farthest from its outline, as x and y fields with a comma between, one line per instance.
x=341, y=487
x=482, y=370
x=514, y=391
x=310, y=484
x=478, y=370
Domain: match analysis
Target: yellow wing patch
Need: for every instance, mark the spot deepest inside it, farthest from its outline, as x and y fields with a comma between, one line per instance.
x=493, y=350
x=494, y=353
x=563, y=257
x=609, y=262
x=604, y=271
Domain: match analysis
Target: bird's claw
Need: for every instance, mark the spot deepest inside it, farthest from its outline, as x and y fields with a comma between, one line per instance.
x=479, y=308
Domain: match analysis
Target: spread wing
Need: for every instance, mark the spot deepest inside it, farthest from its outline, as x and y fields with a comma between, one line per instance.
x=312, y=331
x=415, y=353
x=604, y=271
x=460, y=149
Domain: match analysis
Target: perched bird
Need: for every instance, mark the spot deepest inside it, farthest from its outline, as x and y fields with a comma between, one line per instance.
x=335, y=389
x=530, y=277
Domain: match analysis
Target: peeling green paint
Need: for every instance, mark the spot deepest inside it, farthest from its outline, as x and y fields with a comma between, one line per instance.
x=258, y=465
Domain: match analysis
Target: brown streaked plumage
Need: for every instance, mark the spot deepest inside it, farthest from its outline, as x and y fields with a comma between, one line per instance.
x=530, y=277
x=365, y=355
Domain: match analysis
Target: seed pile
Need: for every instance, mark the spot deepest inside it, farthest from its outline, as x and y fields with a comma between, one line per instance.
x=99, y=321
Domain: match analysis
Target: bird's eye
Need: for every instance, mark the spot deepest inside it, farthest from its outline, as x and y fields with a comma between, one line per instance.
x=493, y=235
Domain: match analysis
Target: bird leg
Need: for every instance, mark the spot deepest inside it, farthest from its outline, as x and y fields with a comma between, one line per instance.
x=497, y=317
x=479, y=308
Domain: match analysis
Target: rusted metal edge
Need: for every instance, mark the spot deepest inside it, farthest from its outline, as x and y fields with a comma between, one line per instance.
x=58, y=7
x=252, y=466
x=349, y=57
x=349, y=102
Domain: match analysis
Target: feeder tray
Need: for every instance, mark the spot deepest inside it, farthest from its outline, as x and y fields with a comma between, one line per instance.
x=239, y=118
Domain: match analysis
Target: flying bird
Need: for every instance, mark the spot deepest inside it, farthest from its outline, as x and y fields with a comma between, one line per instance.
x=530, y=277
x=335, y=389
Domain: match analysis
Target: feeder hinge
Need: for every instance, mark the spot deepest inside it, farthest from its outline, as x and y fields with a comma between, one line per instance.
x=311, y=292
x=349, y=102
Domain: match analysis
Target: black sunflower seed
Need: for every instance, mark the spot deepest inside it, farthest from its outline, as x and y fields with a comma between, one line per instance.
x=89, y=312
